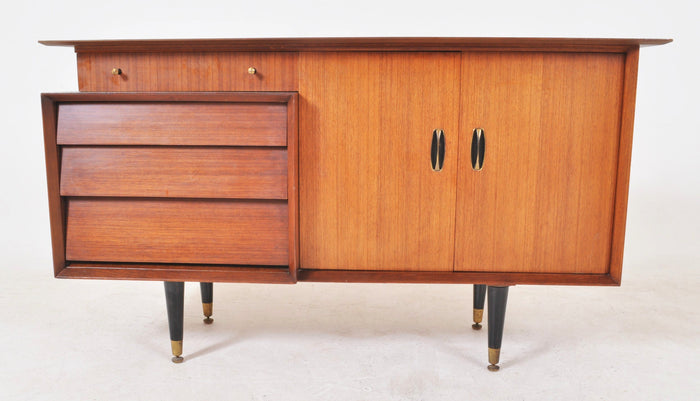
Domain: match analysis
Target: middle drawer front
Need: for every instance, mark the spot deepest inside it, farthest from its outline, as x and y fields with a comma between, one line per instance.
x=177, y=172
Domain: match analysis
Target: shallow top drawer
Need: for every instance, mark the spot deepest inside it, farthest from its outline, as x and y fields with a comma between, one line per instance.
x=187, y=71
x=221, y=124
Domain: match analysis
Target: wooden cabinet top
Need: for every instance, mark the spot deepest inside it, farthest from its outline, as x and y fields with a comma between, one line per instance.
x=359, y=44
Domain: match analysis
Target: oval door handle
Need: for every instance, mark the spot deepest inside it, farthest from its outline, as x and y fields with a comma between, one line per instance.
x=478, y=149
x=437, y=150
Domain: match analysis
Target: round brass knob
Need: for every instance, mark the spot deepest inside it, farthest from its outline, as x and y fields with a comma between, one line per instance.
x=116, y=71
x=252, y=70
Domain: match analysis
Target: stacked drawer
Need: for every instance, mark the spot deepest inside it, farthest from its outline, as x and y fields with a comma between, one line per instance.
x=176, y=181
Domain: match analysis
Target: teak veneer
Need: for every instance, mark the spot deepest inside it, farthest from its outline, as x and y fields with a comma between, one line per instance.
x=488, y=161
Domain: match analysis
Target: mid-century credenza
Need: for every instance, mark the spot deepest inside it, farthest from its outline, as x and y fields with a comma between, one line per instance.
x=485, y=161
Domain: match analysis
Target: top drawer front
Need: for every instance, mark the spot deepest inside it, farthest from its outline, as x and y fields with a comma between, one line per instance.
x=220, y=124
x=191, y=71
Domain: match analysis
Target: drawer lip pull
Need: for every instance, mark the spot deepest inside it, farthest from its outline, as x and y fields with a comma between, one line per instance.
x=478, y=149
x=437, y=150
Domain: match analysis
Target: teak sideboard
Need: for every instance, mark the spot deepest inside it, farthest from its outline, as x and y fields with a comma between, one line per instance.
x=485, y=161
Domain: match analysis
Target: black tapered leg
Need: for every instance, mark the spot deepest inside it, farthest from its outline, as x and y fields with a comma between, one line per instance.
x=479, y=297
x=207, y=301
x=175, y=303
x=498, y=297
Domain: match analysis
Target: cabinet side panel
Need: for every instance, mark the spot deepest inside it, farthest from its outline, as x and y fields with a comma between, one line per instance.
x=545, y=197
x=52, y=153
x=369, y=199
x=623, y=174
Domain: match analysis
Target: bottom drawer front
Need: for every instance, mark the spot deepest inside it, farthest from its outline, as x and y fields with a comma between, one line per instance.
x=178, y=231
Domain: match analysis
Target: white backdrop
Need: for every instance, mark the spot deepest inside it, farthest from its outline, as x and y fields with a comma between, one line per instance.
x=665, y=184
x=663, y=219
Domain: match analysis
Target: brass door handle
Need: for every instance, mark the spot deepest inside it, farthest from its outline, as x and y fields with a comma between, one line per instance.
x=437, y=150
x=478, y=149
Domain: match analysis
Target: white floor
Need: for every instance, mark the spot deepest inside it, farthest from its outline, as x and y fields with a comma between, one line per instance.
x=104, y=340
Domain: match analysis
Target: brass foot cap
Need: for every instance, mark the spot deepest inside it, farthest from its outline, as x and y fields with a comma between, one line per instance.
x=493, y=368
x=207, y=309
x=176, y=347
x=476, y=326
x=177, y=359
x=208, y=320
x=494, y=355
x=478, y=315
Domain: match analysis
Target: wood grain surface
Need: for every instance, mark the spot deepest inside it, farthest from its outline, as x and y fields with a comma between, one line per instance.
x=544, y=199
x=443, y=277
x=359, y=44
x=548, y=207
x=177, y=231
x=368, y=196
x=293, y=182
x=227, y=124
x=178, y=272
x=52, y=153
x=624, y=161
x=184, y=72
x=175, y=172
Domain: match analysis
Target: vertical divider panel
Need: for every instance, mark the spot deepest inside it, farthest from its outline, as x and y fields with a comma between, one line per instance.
x=293, y=182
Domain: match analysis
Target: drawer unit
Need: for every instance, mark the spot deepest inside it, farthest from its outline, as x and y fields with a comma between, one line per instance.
x=156, y=184
x=184, y=71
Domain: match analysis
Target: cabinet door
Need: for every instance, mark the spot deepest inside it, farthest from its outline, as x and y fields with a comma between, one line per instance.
x=369, y=199
x=543, y=201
